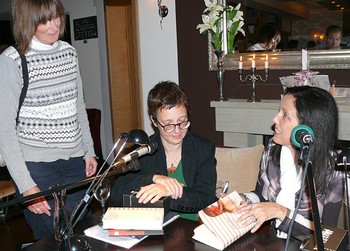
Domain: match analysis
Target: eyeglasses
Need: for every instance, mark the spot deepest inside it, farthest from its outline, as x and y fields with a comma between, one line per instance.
x=171, y=127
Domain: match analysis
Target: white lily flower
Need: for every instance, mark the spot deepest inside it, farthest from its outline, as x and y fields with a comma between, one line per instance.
x=239, y=29
x=212, y=18
x=238, y=6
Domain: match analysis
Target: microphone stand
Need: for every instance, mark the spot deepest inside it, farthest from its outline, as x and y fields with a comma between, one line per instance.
x=306, y=149
x=120, y=166
x=97, y=180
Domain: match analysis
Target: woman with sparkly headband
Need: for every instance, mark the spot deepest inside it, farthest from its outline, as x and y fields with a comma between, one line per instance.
x=183, y=167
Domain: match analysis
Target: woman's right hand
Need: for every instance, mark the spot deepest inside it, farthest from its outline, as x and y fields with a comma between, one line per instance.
x=38, y=205
x=174, y=188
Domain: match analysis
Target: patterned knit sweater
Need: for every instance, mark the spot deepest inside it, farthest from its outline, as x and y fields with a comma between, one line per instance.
x=52, y=121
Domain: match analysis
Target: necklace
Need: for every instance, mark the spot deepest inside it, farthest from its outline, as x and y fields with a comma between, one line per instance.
x=172, y=168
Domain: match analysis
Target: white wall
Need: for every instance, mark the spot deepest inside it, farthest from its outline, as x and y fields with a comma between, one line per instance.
x=158, y=55
x=89, y=61
x=158, y=49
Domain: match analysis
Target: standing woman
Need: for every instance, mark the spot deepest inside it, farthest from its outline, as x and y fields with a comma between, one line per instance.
x=52, y=143
x=183, y=167
x=279, y=181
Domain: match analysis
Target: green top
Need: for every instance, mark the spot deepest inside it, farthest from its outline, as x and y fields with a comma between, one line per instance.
x=178, y=175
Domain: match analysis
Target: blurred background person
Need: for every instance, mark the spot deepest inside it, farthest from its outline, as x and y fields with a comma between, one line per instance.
x=311, y=45
x=277, y=46
x=333, y=38
x=268, y=38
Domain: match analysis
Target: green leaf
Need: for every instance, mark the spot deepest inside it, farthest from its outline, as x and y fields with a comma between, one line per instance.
x=231, y=37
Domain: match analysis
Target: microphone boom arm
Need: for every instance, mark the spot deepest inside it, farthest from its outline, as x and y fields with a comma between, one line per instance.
x=120, y=168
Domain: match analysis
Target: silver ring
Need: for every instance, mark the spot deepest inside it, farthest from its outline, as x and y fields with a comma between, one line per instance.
x=255, y=219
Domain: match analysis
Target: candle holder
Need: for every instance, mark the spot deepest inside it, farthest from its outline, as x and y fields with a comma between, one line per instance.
x=253, y=78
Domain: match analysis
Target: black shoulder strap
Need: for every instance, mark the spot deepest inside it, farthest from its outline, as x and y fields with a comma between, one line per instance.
x=25, y=82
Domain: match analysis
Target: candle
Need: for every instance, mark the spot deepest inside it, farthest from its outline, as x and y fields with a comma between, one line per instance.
x=266, y=62
x=253, y=61
x=240, y=64
x=304, y=60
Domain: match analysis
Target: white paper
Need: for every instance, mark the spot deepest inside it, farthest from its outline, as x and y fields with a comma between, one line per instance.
x=97, y=232
x=321, y=81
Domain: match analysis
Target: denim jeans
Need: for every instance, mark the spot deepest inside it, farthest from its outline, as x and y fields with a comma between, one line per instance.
x=46, y=174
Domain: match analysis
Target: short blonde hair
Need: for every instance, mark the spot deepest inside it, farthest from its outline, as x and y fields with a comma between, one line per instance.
x=28, y=14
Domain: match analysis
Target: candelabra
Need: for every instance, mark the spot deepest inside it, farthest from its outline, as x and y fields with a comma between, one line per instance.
x=253, y=78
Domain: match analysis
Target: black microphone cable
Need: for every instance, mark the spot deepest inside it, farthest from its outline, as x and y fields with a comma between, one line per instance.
x=299, y=201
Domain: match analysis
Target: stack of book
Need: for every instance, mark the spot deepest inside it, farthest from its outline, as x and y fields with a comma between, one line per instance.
x=133, y=221
x=126, y=227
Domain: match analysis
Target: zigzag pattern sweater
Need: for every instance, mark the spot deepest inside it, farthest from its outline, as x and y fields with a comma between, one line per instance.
x=52, y=121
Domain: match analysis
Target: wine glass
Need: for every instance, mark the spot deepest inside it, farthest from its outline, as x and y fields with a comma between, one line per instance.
x=102, y=193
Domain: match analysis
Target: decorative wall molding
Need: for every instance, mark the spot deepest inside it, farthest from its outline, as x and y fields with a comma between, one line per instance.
x=286, y=60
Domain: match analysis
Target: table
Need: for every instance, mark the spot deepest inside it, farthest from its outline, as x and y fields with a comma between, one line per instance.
x=244, y=123
x=177, y=236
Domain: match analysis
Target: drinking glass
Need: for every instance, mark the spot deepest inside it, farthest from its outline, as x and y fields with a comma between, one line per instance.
x=102, y=193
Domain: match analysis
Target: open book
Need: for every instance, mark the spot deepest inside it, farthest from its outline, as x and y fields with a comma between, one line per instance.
x=220, y=227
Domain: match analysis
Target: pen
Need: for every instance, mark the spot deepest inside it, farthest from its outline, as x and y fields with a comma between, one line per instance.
x=225, y=187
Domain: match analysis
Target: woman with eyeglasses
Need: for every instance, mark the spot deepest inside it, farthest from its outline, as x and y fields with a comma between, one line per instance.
x=184, y=165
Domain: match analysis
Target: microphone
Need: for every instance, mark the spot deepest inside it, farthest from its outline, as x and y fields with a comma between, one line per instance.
x=149, y=148
x=302, y=135
x=344, y=158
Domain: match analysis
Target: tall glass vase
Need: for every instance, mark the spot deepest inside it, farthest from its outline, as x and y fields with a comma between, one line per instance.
x=220, y=74
x=61, y=217
x=62, y=226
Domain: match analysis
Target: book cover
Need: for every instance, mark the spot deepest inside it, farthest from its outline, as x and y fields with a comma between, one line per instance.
x=136, y=218
x=132, y=232
x=334, y=239
x=220, y=227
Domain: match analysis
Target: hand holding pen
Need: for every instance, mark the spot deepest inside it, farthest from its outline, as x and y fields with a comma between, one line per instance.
x=224, y=189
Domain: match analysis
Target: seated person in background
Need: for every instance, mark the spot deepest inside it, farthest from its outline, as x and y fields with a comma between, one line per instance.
x=311, y=45
x=292, y=44
x=268, y=39
x=333, y=38
x=277, y=42
x=184, y=165
x=279, y=181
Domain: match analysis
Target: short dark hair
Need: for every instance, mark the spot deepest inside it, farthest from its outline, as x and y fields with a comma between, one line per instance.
x=166, y=95
x=267, y=33
x=28, y=14
x=333, y=28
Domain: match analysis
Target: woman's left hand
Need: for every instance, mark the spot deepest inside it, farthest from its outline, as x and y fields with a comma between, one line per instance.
x=173, y=187
x=90, y=166
x=151, y=193
x=260, y=212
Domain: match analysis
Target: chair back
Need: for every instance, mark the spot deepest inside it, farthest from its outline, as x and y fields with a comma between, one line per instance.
x=94, y=117
x=239, y=166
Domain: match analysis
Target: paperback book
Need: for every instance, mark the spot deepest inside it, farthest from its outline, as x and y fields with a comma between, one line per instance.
x=220, y=227
x=135, y=218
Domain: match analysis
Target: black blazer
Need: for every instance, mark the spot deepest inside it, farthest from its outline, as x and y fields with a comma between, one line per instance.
x=199, y=170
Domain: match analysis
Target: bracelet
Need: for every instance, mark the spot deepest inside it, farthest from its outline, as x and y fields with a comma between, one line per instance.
x=247, y=200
